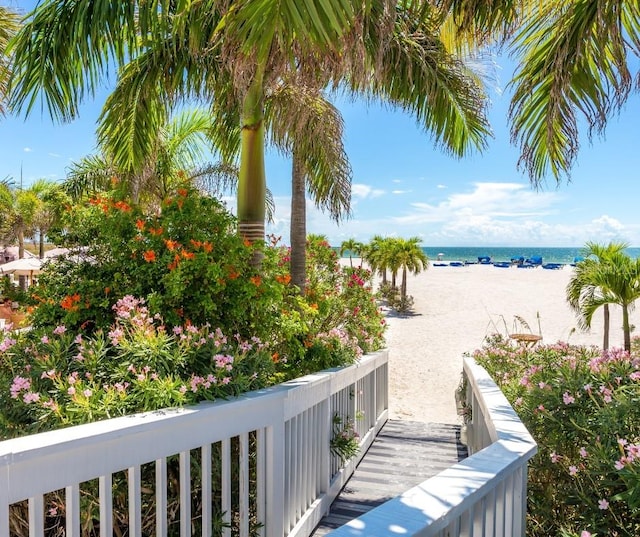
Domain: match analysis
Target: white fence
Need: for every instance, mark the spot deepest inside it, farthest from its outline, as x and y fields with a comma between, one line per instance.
x=482, y=496
x=259, y=464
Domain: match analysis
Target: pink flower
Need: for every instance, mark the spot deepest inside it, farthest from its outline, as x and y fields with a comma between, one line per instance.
x=585, y=533
x=71, y=390
x=635, y=375
x=568, y=399
x=554, y=457
x=44, y=339
x=31, y=397
x=87, y=392
x=19, y=384
x=603, y=504
x=573, y=470
x=583, y=453
x=59, y=330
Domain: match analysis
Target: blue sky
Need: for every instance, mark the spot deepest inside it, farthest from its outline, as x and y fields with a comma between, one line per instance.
x=403, y=186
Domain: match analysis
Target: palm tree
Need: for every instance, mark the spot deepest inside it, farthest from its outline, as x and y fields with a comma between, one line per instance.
x=179, y=151
x=229, y=54
x=52, y=201
x=353, y=247
x=235, y=64
x=608, y=276
x=18, y=207
x=411, y=258
x=9, y=24
x=374, y=253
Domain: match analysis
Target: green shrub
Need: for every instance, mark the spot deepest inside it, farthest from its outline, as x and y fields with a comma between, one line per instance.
x=186, y=261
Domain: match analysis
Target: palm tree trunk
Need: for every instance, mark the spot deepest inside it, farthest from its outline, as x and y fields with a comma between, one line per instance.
x=41, y=244
x=393, y=279
x=403, y=289
x=22, y=280
x=20, y=243
x=605, y=337
x=298, y=229
x=251, y=180
x=625, y=328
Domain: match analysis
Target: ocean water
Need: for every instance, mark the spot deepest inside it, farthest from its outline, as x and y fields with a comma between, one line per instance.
x=506, y=253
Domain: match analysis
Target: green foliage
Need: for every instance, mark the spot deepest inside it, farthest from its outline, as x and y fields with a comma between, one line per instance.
x=583, y=409
x=186, y=261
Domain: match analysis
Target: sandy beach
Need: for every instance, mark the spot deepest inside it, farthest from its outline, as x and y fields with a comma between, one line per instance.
x=455, y=308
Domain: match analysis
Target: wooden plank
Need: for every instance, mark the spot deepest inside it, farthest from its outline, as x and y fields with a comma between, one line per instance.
x=403, y=455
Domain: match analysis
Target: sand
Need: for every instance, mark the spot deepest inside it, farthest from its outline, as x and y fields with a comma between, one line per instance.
x=455, y=309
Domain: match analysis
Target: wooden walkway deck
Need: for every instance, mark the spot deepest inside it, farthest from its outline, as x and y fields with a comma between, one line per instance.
x=404, y=454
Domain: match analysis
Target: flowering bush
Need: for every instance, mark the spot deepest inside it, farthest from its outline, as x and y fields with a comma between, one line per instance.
x=582, y=407
x=185, y=260
x=58, y=378
x=335, y=322
x=345, y=441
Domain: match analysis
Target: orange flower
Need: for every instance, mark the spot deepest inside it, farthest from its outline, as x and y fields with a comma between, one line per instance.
x=255, y=280
x=155, y=231
x=196, y=244
x=313, y=306
x=107, y=290
x=188, y=255
x=284, y=279
x=171, y=245
x=174, y=264
x=149, y=256
x=69, y=302
x=122, y=206
x=233, y=274
x=207, y=246
x=275, y=357
x=140, y=224
x=183, y=192
x=246, y=242
x=180, y=203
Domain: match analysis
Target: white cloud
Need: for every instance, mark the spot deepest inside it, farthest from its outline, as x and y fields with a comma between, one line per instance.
x=359, y=190
x=401, y=191
x=397, y=181
x=27, y=150
x=54, y=155
x=441, y=186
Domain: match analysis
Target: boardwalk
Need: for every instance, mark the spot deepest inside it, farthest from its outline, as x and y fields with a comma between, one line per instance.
x=404, y=454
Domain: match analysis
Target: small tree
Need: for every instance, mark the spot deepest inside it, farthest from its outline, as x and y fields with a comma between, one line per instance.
x=582, y=289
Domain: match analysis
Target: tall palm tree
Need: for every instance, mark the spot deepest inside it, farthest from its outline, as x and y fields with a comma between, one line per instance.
x=353, y=247
x=230, y=53
x=9, y=24
x=607, y=276
x=234, y=57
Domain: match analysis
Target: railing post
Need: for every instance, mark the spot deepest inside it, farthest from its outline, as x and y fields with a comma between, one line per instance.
x=275, y=467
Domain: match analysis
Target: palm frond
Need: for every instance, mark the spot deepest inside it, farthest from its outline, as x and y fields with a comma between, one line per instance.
x=9, y=25
x=303, y=123
x=573, y=63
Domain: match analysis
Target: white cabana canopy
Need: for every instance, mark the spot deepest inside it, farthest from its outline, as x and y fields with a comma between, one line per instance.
x=27, y=266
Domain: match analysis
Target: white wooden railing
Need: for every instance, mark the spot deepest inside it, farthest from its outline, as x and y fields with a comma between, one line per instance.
x=482, y=496
x=261, y=462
